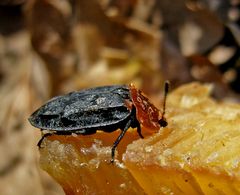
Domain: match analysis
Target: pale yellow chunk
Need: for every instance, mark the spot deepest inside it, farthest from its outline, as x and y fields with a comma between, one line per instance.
x=197, y=153
x=81, y=164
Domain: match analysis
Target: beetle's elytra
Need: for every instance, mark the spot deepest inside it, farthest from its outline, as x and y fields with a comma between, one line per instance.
x=106, y=108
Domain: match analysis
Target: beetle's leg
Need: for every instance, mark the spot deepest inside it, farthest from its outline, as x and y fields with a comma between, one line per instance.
x=139, y=130
x=42, y=138
x=119, y=139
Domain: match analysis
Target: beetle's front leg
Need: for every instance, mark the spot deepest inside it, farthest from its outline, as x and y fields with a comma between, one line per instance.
x=139, y=130
x=127, y=126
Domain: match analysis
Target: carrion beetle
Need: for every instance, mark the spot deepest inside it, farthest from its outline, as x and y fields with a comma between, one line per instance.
x=105, y=108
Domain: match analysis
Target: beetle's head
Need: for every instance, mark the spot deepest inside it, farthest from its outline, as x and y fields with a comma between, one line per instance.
x=147, y=114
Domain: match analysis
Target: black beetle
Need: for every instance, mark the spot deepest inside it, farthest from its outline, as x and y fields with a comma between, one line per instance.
x=106, y=108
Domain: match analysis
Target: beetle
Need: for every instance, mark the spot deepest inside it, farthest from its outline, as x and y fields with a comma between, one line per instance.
x=105, y=108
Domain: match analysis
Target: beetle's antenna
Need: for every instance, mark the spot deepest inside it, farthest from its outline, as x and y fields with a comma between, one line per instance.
x=166, y=89
x=163, y=121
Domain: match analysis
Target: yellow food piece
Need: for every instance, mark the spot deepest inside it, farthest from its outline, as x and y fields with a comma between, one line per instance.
x=197, y=153
x=81, y=164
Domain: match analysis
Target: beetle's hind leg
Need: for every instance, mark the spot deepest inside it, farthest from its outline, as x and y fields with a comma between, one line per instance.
x=42, y=138
x=115, y=144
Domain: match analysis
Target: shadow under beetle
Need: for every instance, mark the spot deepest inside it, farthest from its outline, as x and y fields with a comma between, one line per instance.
x=106, y=108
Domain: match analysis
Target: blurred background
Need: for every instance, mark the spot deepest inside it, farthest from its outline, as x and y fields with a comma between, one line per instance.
x=51, y=47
